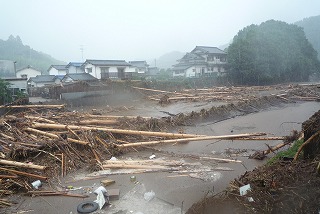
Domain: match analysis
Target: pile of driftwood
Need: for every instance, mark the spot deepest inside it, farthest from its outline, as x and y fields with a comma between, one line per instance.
x=45, y=142
x=234, y=94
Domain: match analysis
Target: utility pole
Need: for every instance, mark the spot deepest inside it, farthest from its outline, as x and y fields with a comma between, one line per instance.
x=81, y=49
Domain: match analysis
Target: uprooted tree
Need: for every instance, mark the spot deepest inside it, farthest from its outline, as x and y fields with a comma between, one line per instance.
x=272, y=52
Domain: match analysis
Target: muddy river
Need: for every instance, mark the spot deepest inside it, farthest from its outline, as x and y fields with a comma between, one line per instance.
x=176, y=192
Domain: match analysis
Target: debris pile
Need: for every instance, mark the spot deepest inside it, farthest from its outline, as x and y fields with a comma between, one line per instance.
x=234, y=94
x=41, y=142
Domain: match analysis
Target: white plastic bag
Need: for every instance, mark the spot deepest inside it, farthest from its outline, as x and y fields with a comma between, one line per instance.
x=148, y=196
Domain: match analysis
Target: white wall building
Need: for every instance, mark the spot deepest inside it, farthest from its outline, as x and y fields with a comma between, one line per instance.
x=27, y=72
x=108, y=69
x=75, y=68
x=202, y=61
x=57, y=70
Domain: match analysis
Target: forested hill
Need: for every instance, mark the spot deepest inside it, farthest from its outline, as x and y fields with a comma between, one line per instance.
x=13, y=49
x=270, y=53
x=311, y=28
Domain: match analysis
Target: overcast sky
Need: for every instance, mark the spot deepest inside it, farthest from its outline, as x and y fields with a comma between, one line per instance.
x=138, y=29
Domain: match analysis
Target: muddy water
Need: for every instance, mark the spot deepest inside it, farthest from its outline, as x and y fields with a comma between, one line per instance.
x=183, y=191
x=277, y=121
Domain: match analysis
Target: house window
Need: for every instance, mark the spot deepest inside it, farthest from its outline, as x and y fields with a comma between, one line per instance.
x=104, y=72
x=89, y=70
x=24, y=76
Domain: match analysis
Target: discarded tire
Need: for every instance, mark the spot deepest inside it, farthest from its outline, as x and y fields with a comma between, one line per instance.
x=87, y=207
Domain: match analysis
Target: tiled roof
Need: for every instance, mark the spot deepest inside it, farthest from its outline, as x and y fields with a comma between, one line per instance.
x=43, y=78
x=81, y=77
x=59, y=67
x=212, y=50
x=29, y=66
x=75, y=64
x=107, y=62
x=139, y=64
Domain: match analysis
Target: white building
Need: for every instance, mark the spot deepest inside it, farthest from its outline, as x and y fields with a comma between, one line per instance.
x=43, y=80
x=202, y=61
x=27, y=72
x=74, y=68
x=57, y=70
x=108, y=69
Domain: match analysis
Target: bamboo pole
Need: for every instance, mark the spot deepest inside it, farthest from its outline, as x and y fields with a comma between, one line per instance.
x=24, y=165
x=34, y=106
x=24, y=174
x=118, y=131
x=221, y=137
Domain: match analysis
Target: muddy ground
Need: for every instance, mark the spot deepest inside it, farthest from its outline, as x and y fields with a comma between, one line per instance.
x=177, y=192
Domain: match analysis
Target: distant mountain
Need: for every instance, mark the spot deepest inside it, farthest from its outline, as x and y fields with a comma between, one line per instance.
x=13, y=49
x=311, y=28
x=167, y=60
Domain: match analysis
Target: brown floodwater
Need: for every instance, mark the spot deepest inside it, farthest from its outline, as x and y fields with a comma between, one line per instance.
x=174, y=193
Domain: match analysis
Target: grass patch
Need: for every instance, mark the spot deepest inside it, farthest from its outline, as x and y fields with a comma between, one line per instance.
x=289, y=153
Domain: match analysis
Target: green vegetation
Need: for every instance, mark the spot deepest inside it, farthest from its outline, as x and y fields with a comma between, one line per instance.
x=273, y=52
x=5, y=92
x=290, y=153
x=13, y=49
x=311, y=27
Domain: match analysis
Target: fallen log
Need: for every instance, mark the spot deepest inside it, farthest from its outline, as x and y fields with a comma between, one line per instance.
x=98, y=122
x=55, y=136
x=221, y=159
x=154, y=90
x=118, y=131
x=23, y=165
x=305, y=143
x=33, y=106
x=55, y=193
x=222, y=137
x=39, y=119
x=24, y=173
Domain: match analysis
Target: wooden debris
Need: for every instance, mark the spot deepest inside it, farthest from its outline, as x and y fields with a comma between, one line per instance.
x=107, y=182
x=23, y=165
x=33, y=106
x=191, y=139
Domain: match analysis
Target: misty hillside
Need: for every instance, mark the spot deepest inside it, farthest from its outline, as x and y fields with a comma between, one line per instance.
x=311, y=28
x=167, y=60
x=13, y=49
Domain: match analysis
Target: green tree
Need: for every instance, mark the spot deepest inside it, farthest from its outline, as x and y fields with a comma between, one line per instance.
x=272, y=52
x=5, y=92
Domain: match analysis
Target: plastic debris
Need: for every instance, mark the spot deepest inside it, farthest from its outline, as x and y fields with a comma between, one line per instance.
x=36, y=184
x=148, y=196
x=153, y=156
x=244, y=189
